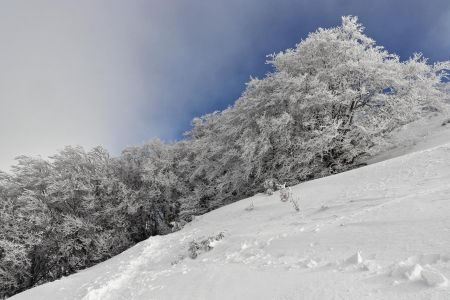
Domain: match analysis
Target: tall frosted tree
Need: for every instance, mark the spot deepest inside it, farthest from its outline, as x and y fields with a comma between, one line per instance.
x=327, y=104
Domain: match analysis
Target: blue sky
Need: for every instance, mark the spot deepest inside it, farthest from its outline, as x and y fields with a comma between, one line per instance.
x=118, y=73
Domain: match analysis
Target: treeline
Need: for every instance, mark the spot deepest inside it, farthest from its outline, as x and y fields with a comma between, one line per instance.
x=325, y=107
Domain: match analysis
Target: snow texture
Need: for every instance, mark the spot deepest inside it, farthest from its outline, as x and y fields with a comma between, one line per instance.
x=383, y=235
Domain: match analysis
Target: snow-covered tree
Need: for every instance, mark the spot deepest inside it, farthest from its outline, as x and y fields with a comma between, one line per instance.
x=325, y=106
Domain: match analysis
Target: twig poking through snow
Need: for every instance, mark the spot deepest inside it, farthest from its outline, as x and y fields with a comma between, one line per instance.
x=286, y=195
x=295, y=204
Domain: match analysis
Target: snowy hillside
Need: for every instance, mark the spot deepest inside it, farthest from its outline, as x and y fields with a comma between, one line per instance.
x=378, y=232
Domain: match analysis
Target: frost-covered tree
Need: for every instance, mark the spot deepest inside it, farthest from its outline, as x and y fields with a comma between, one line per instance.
x=60, y=216
x=151, y=173
x=325, y=106
x=90, y=204
x=24, y=218
x=346, y=92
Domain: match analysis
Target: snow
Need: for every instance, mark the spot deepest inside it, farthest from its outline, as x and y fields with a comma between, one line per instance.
x=377, y=232
x=355, y=259
x=434, y=278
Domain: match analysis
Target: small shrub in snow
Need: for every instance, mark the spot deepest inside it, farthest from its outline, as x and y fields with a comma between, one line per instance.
x=285, y=193
x=205, y=245
x=178, y=260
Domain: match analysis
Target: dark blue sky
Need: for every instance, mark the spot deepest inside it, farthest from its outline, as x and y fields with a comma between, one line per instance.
x=224, y=43
x=118, y=73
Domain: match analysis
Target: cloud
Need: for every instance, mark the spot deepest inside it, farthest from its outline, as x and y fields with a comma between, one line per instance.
x=68, y=75
x=117, y=73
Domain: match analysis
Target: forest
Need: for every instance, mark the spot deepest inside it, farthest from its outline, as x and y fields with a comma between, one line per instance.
x=328, y=104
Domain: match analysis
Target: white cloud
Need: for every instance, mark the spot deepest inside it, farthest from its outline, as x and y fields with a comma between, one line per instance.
x=68, y=75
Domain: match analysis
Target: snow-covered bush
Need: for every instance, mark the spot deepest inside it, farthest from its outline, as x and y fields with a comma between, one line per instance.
x=285, y=193
x=204, y=245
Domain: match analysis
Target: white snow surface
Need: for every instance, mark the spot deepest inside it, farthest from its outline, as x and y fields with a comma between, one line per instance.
x=377, y=232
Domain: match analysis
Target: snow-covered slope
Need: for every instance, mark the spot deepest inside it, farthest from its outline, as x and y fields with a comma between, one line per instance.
x=378, y=232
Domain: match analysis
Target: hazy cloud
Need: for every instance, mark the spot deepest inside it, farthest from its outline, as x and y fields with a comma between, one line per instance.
x=117, y=73
x=69, y=75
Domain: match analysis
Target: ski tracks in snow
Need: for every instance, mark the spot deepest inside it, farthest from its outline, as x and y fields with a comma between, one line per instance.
x=110, y=288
